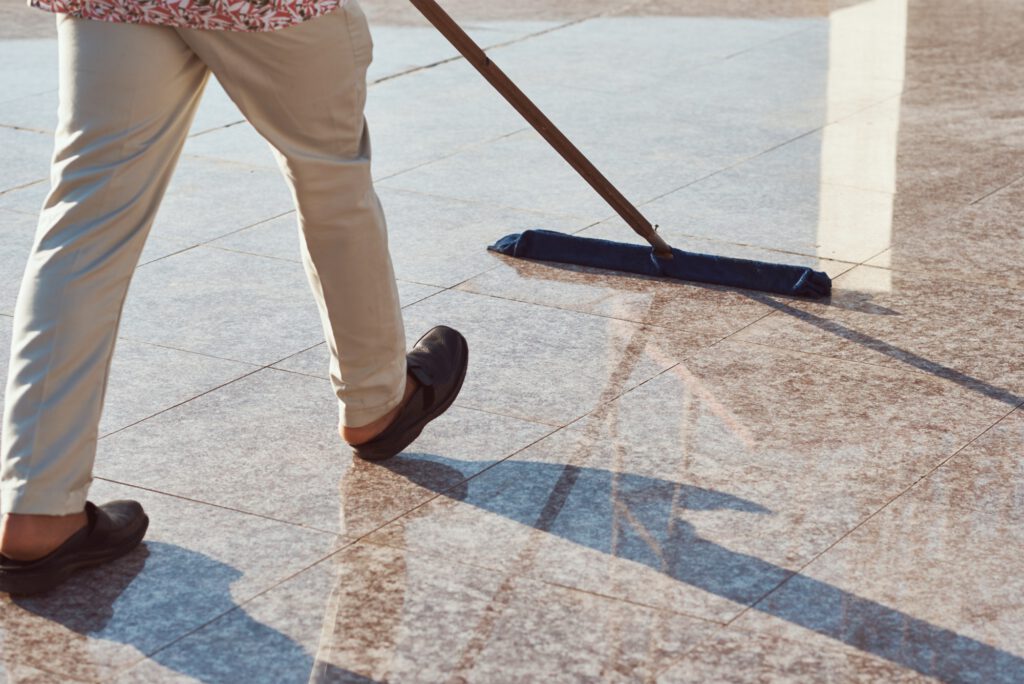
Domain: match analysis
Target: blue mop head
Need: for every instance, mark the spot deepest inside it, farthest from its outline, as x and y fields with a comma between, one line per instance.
x=548, y=245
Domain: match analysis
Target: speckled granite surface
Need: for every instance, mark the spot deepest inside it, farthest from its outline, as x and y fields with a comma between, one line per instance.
x=641, y=481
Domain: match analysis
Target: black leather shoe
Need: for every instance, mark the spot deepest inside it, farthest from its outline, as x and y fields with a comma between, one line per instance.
x=113, y=530
x=439, y=361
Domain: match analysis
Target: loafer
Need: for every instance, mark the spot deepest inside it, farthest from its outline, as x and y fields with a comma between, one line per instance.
x=439, y=361
x=113, y=530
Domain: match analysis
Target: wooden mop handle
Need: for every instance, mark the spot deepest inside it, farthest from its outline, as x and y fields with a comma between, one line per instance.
x=511, y=92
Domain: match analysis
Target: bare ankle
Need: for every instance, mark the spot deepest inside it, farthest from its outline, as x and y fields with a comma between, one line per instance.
x=27, y=537
x=365, y=433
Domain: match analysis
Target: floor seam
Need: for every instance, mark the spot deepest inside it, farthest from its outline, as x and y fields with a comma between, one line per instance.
x=211, y=504
x=459, y=57
x=902, y=368
x=869, y=518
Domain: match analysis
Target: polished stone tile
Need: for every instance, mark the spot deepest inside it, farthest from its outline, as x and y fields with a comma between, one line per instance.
x=432, y=114
x=780, y=201
x=145, y=380
x=36, y=107
x=20, y=24
x=811, y=78
x=402, y=48
x=948, y=45
x=986, y=477
x=518, y=172
x=32, y=112
x=159, y=248
x=861, y=151
x=280, y=429
x=592, y=55
x=693, y=495
x=378, y=614
x=740, y=8
x=980, y=243
x=911, y=321
x=273, y=638
x=544, y=364
x=957, y=145
x=277, y=238
x=921, y=585
x=703, y=489
x=234, y=306
x=399, y=13
x=433, y=241
x=197, y=563
x=28, y=199
x=207, y=199
x=747, y=658
x=239, y=143
x=29, y=675
x=662, y=150
x=26, y=159
x=36, y=61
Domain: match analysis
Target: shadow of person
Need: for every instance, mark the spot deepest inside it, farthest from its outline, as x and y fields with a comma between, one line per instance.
x=147, y=600
x=641, y=519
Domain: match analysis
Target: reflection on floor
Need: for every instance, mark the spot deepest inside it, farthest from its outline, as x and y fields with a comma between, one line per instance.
x=641, y=481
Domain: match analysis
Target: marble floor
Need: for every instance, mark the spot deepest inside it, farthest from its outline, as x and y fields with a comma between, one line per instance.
x=642, y=480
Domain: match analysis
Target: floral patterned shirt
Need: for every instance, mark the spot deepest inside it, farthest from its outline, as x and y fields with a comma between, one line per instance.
x=216, y=15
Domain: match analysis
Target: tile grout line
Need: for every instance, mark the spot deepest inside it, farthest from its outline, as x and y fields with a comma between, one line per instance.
x=206, y=243
x=26, y=129
x=426, y=553
x=255, y=368
x=182, y=403
x=980, y=386
x=455, y=152
x=873, y=515
x=190, y=351
x=996, y=191
x=27, y=184
x=211, y=504
x=149, y=656
x=496, y=46
x=349, y=543
x=800, y=571
x=552, y=307
x=777, y=39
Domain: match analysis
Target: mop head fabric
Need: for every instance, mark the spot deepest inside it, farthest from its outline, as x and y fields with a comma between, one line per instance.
x=548, y=245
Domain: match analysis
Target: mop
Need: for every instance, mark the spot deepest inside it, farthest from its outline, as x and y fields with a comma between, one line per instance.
x=658, y=260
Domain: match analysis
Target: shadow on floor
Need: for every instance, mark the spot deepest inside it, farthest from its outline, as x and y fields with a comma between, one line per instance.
x=863, y=302
x=641, y=519
x=147, y=600
x=911, y=359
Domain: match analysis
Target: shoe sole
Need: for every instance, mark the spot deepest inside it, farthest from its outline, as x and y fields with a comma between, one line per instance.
x=399, y=444
x=37, y=583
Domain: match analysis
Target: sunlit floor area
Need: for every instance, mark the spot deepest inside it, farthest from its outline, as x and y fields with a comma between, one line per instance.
x=642, y=480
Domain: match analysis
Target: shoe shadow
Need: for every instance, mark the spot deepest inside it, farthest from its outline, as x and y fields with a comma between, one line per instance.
x=639, y=519
x=148, y=600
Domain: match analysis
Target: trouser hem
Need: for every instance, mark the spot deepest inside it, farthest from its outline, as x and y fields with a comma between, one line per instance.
x=360, y=417
x=27, y=500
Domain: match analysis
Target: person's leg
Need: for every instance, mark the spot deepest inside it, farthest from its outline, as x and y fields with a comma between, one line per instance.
x=127, y=97
x=303, y=88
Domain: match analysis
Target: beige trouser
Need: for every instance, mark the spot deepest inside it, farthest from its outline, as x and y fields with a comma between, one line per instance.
x=128, y=94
